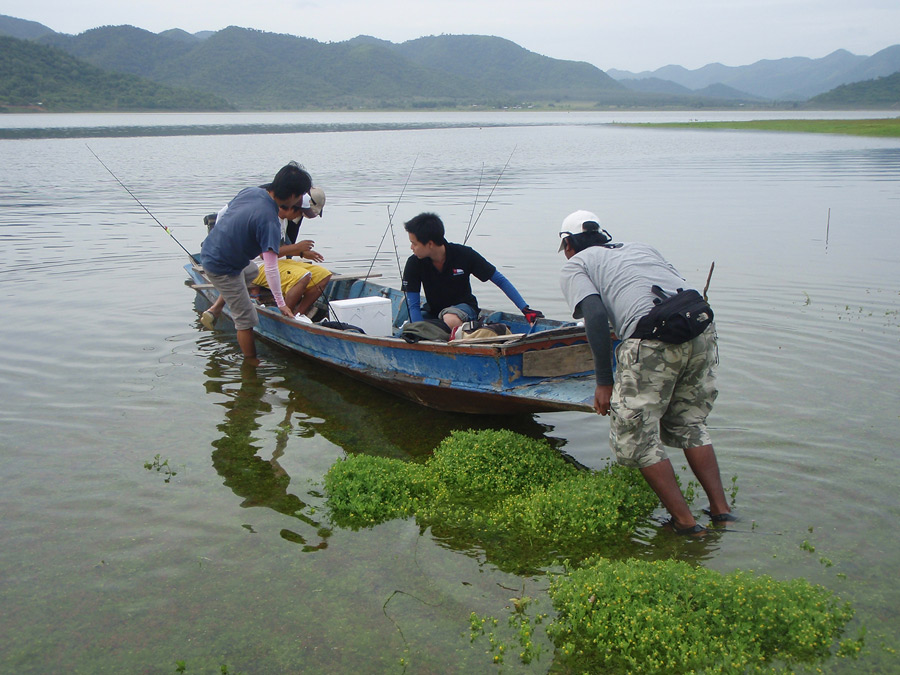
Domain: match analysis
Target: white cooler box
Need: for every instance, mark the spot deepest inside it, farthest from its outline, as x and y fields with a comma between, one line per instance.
x=373, y=315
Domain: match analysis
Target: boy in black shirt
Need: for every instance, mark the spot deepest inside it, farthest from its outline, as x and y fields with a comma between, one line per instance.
x=443, y=269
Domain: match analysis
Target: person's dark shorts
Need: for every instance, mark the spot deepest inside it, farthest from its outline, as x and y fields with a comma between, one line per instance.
x=234, y=289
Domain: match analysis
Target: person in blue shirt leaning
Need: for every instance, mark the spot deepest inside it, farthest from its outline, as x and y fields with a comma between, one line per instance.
x=248, y=227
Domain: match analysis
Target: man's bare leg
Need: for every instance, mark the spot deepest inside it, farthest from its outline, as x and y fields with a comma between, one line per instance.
x=661, y=478
x=703, y=462
x=248, y=345
x=294, y=296
x=313, y=292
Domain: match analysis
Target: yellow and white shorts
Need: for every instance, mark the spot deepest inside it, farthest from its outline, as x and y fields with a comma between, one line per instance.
x=291, y=271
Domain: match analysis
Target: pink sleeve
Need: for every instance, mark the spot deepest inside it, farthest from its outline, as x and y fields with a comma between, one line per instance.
x=270, y=258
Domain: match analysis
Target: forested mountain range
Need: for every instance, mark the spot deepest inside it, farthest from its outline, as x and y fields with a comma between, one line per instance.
x=256, y=70
x=34, y=76
x=881, y=92
x=259, y=70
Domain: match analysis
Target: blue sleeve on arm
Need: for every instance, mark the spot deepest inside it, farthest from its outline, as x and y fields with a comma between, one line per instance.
x=506, y=286
x=414, y=304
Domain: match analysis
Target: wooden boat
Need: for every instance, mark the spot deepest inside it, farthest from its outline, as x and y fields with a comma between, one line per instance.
x=541, y=368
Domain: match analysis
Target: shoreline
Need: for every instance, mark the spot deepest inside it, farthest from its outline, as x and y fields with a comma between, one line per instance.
x=879, y=128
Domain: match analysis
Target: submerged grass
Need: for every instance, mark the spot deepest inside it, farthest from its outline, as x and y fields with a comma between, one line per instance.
x=889, y=127
x=507, y=494
x=668, y=617
x=515, y=497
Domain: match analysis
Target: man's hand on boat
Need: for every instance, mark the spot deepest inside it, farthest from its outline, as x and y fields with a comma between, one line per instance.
x=602, y=395
x=286, y=311
x=532, y=315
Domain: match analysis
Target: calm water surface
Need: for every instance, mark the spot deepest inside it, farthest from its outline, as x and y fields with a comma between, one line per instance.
x=108, y=567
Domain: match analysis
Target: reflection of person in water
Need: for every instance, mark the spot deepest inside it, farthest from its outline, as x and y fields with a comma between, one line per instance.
x=258, y=481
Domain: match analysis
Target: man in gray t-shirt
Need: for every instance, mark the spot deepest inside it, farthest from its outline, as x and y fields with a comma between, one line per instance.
x=662, y=392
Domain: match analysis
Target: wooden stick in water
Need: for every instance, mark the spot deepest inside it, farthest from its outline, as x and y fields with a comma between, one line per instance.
x=708, y=278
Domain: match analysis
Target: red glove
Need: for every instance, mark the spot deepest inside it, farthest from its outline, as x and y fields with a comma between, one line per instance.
x=531, y=315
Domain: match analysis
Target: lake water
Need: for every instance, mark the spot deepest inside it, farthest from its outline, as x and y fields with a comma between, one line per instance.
x=107, y=566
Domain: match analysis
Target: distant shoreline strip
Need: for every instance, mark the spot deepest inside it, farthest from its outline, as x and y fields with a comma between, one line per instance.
x=888, y=127
x=230, y=129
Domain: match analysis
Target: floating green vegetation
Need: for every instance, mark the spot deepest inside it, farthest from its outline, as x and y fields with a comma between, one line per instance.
x=508, y=493
x=501, y=490
x=888, y=127
x=521, y=623
x=668, y=617
x=161, y=467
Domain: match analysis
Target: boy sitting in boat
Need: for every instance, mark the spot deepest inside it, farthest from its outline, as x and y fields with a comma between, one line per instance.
x=301, y=283
x=443, y=269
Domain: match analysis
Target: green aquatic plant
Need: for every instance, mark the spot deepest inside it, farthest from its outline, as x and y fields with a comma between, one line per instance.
x=497, y=489
x=161, y=467
x=522, y=624
x=365, y=490
x=522, y=503
x=495, y=463
x=668, y=617
x=585, y=508
x=690, y=491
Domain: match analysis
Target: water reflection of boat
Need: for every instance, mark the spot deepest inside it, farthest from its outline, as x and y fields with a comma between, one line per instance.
x=542, y=368
x=306, y=400
x=344, y=412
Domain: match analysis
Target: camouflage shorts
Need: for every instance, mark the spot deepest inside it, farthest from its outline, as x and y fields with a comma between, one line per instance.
x=662, y=395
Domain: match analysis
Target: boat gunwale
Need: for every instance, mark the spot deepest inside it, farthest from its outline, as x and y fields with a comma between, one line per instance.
x=510, y=347
x=446, y=394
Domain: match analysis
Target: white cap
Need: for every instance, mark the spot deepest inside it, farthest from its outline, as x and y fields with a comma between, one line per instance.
x=316, y=202
x=575, y=223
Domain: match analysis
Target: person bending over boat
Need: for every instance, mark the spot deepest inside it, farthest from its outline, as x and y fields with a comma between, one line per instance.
x=301, y=283
x=664, y=385
x=443, y=269
x=247, y=228
x=311, y=206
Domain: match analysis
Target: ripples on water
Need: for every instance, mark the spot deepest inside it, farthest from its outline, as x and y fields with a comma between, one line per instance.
x=104, y=366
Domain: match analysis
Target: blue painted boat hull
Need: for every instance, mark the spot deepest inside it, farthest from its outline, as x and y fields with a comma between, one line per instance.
x=545, y=368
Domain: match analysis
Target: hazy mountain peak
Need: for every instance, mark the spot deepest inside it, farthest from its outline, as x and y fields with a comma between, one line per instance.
x=22, y=29
x=793, y=78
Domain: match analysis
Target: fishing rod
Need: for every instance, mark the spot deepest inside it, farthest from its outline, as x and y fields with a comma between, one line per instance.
x=168, y=231
x=390, y=225
x=475, y=203
x=483, y=206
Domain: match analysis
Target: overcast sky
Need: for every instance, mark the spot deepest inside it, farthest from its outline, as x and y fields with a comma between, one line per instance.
x=630, y=35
